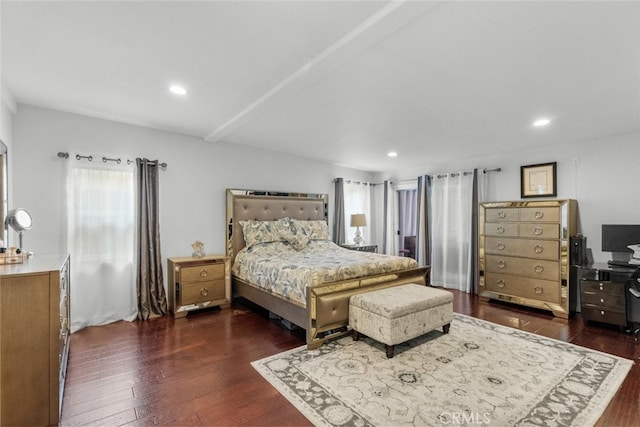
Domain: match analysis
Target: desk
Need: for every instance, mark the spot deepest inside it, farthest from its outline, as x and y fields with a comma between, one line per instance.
x=603, y=293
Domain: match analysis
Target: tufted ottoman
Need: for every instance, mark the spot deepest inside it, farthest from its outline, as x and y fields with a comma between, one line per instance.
x=398, y=314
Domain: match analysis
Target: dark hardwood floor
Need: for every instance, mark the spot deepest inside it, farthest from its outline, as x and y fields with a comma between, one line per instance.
x=196, y=371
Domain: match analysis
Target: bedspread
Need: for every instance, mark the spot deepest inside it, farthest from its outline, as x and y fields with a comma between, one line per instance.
x=280, y=269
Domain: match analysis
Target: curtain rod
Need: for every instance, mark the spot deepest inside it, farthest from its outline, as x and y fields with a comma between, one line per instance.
x=403, y=181
x=350, y=181
x=465, y=173
x=65, y=155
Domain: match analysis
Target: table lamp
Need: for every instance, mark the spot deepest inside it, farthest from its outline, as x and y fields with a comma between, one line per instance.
x=358, y=220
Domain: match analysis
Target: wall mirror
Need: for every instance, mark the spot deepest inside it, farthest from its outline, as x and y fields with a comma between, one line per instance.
x=4, y=198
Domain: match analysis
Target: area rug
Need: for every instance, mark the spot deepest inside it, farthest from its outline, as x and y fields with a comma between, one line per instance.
x=480, y=373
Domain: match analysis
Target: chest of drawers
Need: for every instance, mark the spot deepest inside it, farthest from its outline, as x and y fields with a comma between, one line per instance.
x=603, y=301
x=604, y=296
x=196, y=283
x=523, y=253
x=34, y=339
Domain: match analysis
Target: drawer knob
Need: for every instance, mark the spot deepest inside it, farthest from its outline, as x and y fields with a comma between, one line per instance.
x=204, y=292
x=502, y=214
x=539, y=214
x=501, y=246
x=204, y=273
x=501, y=283
x=502, y=264
x=601, y=287
x=500, y=229
x=538, y=268
x=537, y=231
x=538, y=249
x=538, y=290
x=602, y=300
x=602, y=312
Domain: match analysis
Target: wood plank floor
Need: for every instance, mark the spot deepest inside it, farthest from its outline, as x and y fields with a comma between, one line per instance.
x=195, y=371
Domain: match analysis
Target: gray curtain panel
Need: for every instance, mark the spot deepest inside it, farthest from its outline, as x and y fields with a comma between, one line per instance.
x=385, y=217
x=152, y=299
x=474, y=234
x=423, y=241
x=338, y=220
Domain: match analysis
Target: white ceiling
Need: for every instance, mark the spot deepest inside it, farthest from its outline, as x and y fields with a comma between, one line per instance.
x=339, y=81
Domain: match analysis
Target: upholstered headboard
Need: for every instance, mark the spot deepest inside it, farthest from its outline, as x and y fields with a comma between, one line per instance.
x=266, y=208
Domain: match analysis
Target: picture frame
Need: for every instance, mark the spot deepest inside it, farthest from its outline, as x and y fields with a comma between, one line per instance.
x=538, y=180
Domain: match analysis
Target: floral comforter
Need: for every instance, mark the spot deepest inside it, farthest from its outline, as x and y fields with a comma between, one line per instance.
x=280, y=269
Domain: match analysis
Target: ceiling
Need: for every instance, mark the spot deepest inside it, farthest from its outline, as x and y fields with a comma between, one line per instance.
x=339, y=81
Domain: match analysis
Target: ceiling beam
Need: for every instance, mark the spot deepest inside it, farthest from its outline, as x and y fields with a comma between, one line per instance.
x=388, y=19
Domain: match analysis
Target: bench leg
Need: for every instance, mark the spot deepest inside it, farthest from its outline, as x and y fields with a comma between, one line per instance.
x=390, y=350
x=445, y=328
x=356, y=335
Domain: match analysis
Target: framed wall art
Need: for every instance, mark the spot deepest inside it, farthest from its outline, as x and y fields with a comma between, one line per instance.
x=538, y=180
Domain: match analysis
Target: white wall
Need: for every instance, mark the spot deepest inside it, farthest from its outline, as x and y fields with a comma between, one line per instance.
x=7, y=109
x=192, y=188
x=602, y=174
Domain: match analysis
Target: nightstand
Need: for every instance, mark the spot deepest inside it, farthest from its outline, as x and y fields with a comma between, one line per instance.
x=363, y=248
x=196, y=283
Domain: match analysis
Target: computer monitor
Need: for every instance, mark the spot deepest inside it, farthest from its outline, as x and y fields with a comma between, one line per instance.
x=616, y=238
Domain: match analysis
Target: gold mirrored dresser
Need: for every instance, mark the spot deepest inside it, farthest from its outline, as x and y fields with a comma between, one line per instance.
x=523, y=253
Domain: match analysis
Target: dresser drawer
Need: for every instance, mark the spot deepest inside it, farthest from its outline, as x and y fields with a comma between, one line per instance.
x=539, y=269
x=195, y=292
x=540, y=214
x=542, y=290
x=603, y=315
x=532, y=230
x=528, y=248
x=201, y=273
x=615, y=302
x=602, y=288
x=501, y=214
x=509, y=229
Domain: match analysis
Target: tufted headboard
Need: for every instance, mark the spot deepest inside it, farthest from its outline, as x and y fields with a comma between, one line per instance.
x=267, y=208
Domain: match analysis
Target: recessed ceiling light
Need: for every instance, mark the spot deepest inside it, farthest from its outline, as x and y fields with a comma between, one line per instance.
x=541, y=122
x=392, y=154
x=178, y=90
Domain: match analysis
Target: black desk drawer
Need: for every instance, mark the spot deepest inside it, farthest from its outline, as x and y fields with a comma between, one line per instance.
x=616, y=302
x=604, y=315
x=604, y=288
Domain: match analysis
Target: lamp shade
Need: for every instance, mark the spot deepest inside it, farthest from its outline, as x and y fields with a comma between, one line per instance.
x=358, y=220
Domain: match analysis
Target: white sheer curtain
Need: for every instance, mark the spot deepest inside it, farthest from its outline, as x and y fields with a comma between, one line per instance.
x=357, y=199
x=100, y=207
x=451, y=231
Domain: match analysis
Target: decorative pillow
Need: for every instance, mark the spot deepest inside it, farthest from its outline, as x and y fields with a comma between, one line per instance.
x=256, y=232
x=315, y=229
x=291, y=232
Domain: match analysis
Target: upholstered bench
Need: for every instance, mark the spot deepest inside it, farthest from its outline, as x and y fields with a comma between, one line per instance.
x=400, y=313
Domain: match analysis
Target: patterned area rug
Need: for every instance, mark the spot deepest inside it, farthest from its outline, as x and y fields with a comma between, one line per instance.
x=479, y=373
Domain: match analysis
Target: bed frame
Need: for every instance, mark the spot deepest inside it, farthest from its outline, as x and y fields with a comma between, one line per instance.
x=326, y=313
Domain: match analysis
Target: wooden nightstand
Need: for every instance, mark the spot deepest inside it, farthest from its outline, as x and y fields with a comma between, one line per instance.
x=363, y=248
x=196, y=283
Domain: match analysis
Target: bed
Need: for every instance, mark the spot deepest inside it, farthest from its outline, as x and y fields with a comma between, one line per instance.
x=321, y=305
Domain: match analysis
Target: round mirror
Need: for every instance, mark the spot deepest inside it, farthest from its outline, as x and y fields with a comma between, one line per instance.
x=19, y=219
